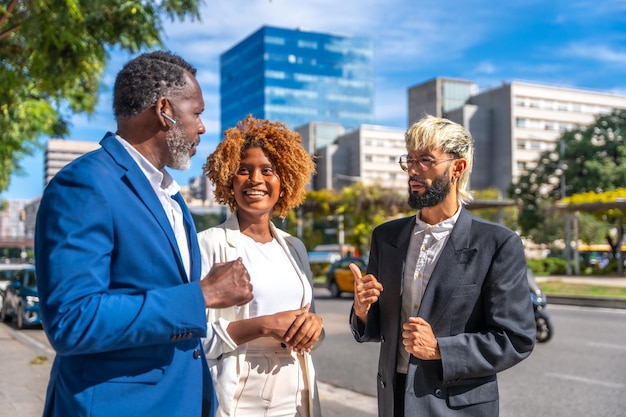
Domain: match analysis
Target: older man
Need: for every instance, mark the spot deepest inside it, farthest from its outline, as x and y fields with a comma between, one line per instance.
x=119, y=265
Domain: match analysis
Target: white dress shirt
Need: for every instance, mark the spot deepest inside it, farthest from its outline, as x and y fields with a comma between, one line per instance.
x=425, y=247
x=164, y=187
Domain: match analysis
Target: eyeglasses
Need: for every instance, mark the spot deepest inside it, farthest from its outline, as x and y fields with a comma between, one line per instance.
x=424, y=162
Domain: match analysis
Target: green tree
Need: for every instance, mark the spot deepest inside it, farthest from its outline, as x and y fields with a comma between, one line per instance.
x=363, y=208
x=52, y=57
x=607, y=211
x=593, y=159
x=504, y=215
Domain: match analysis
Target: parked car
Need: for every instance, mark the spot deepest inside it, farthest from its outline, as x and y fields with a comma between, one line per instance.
x=21, y=300
x=6, y=274
x=339, y=278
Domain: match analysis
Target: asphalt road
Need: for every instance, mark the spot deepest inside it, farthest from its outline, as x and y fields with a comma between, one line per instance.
x=581, y=371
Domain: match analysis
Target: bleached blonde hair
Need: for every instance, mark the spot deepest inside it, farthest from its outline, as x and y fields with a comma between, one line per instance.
x=432, y=133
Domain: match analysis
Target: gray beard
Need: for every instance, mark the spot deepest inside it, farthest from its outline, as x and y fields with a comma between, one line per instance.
x=179, y=148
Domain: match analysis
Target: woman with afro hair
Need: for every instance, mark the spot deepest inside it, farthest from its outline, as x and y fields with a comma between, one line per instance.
x=259, y=353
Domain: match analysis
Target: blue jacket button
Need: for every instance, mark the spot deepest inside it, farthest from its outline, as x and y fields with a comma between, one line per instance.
x=197, y=353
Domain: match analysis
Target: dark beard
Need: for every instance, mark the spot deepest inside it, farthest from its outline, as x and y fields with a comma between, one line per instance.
x=433, y=194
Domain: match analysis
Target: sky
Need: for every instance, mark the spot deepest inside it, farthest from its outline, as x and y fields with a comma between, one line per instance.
x=567, y=43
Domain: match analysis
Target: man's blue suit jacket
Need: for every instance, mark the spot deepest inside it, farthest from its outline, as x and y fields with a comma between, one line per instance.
x=115, y=301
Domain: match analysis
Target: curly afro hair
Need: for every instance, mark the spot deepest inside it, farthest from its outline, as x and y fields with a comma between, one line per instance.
x=283, y=147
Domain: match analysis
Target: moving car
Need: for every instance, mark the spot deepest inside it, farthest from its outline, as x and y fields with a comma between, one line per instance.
x=21, y=300
x=339, y=278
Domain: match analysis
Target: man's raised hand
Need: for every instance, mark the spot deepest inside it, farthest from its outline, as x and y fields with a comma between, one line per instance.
x=227, y=284
x=367, y=289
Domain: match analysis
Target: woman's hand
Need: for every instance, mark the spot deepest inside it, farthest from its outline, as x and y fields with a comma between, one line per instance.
x=304, y=330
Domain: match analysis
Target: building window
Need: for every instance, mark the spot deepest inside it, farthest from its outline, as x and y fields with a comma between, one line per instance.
x=307, y=44
x=275, y=40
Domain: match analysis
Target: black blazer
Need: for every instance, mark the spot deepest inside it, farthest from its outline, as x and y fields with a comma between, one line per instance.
x=477, y=302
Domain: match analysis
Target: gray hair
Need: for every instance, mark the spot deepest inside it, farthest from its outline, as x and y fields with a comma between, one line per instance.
x=147, y=78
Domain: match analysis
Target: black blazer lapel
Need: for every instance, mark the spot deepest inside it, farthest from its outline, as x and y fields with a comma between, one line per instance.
x=393, y=259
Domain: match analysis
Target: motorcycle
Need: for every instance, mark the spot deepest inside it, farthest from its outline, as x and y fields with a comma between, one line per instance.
x=542, y=319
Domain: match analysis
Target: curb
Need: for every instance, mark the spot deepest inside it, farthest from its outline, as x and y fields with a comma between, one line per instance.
x=582, y=301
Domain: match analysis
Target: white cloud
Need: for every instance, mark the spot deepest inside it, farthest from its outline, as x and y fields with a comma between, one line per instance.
x=485, y=67
x=601, y=53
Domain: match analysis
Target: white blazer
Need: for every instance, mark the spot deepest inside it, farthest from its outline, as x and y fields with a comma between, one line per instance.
x=221, y=244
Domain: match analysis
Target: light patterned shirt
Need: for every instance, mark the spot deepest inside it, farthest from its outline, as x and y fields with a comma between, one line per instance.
x=427, y=243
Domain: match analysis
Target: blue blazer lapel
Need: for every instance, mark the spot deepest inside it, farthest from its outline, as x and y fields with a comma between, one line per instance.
x=450, y=268
x=192, y=238
x=136, y=180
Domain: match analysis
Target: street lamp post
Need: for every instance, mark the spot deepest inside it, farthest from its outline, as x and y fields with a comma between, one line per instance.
x=566, y=249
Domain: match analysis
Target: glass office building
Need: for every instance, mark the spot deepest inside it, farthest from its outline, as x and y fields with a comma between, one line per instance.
x=298, y=77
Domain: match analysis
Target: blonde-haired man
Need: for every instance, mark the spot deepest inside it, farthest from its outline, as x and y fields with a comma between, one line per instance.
x=445, y=293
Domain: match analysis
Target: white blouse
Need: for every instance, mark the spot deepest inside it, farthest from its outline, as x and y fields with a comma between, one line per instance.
x=275, y=284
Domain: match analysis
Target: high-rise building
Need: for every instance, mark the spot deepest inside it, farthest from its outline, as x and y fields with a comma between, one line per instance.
x=297, y=76
x=438, y=96
x=514, y=123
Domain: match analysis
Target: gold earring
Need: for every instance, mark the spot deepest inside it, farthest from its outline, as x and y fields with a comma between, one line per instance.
x=232, y=192
x=282, y=194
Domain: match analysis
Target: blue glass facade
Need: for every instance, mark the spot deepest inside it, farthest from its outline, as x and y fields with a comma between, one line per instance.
x=298, y=77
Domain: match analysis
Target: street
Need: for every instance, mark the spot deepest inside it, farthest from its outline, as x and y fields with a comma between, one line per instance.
x=580, y=372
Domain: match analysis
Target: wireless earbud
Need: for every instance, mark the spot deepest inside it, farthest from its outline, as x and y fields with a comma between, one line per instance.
x=168, y=118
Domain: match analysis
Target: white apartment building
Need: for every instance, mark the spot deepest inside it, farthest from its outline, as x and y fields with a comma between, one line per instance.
x=368, y=154
x=12, y=218
x=60, y=152
x=514, y=123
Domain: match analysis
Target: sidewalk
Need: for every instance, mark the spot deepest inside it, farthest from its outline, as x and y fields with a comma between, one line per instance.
x=598, y=302
x=24, y=374
x=25, y=369
x=610, y=281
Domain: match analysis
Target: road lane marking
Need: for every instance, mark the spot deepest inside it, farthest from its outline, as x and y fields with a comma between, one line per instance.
x=607, y=345
x=585, y=380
